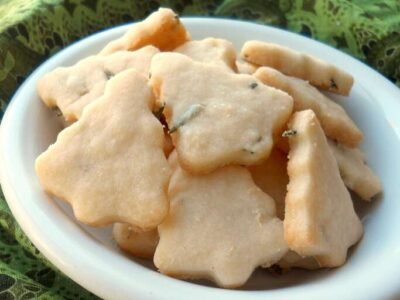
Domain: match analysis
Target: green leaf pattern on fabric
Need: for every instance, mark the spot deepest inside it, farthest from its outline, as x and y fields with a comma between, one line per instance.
x=33, y=30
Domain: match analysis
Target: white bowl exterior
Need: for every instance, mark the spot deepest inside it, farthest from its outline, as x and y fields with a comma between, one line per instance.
x=87, y=256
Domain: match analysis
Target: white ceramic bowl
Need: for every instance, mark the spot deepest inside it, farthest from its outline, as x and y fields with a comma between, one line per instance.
x=90, y=257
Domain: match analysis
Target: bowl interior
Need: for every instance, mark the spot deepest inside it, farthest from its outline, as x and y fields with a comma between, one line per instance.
x=35, y=127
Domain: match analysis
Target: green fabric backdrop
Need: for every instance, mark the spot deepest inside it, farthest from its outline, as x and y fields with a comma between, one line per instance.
x=32, y=30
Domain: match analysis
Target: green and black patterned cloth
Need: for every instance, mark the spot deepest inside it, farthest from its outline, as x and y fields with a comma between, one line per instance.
x=33, y=30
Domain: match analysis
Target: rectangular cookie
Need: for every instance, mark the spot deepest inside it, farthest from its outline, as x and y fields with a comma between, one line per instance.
x=294, y=63
x=162, y=29
x=356, y=174
x=336, y=123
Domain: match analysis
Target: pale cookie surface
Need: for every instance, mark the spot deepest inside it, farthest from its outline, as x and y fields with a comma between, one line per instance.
x=334, y=120
x=293, y=63
x=215, y=117
x=221, y=226
x=293, y=260
x=320, y=220
x=72, y=88
x=173, y=160
x=110, y=164
x=356, y=174
x=244, y=67
x=271, y=176
x=162, y=29
x=135, y=241
x=214, y=51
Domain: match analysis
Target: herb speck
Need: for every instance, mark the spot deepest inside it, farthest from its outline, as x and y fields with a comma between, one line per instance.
x=253, y=85
x=192, y=112
x=159, y=112
x=108, y=74
x=289, y=132
x=83, y=93
x=57, y=111
x=248, y=151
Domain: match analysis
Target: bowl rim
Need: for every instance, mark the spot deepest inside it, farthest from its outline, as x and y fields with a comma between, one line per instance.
x=84, y=265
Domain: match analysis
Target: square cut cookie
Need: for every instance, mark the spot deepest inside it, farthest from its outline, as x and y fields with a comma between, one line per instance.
x=218, y=52
x=320, y=220
x=334, y=120
x=217, y=118
x=110, y=164
x=72, y=88
x=293, y=63
x=162, y=29
x=135, y=241
x=220, y=227
x=356, y=174
x=271, y=177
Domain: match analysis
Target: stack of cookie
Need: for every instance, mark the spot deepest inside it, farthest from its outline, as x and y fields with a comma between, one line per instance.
x=208, y=164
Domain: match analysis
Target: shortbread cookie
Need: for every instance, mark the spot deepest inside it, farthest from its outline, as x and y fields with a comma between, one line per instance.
x=356, y=174
x=72, y=88
x=244, y=67
x=320, y=220
x=271, y=176
x=334, y=120
x=215, y=117
x=214, y=51
x=293, y=63
x=135, y=241
x=221, y=226
x=162, y=29
x=110, y=164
